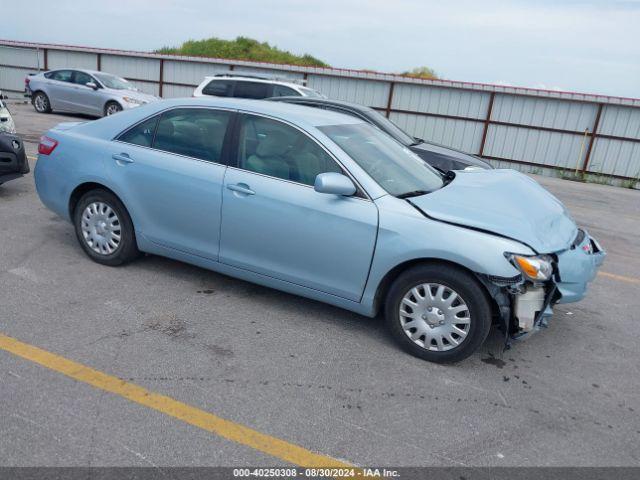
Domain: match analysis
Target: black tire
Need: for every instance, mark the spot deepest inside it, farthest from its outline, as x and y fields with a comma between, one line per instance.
x=46, y=104
x=455, y=278
x=111, y=108
x=127, y=249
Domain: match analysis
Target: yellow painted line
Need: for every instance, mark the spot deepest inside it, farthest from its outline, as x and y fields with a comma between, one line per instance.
x=622, y=278
x=30, y=157
x=207, y=421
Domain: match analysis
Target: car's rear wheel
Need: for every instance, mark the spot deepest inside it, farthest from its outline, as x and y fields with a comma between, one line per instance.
x=111, y=108
x=438, y=312
x=41, y=103
x=104, y=228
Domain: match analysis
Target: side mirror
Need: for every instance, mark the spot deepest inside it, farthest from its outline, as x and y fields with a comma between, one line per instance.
x=334, y=183
x=91, y=85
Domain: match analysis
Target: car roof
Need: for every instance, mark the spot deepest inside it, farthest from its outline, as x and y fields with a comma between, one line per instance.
x=250, y=78
x=297, y=114
x=322, y=101
x=90, y=72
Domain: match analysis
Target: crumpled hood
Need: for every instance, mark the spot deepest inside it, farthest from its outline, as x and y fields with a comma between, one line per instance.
x=504, y=202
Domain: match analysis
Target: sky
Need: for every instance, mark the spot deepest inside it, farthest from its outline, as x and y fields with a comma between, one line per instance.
x=590, y=46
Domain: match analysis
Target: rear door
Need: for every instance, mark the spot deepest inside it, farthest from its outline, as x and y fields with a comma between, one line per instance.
x=60, y=89
x=171, y=168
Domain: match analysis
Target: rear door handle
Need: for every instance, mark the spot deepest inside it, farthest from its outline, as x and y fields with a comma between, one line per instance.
x=241, y=188
x=122, y=158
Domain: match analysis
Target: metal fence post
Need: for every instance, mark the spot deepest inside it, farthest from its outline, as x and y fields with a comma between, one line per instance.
x=390, y=99
x=161, y=79
x=487, y=121
x=594, y=134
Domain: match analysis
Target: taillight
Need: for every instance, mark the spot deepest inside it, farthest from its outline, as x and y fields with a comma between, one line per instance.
x=26, y=80
x=47, y=145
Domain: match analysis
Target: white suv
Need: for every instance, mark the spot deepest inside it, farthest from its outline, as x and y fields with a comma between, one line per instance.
x=245, y=86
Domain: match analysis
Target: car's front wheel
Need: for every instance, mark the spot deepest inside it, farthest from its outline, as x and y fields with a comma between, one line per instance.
x=438, y=312
x=104, y=228
x=111, y=108
x=41, y=103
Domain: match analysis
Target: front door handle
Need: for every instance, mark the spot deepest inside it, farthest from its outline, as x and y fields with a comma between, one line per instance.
x=241, y=188
x=122, y=158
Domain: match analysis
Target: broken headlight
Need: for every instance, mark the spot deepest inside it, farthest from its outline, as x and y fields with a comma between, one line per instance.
x=536, y=268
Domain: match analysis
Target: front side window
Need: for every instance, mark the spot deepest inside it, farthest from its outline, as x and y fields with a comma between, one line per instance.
x=393, y=166
x=62, y=75
x=251, y=90
x=142, y=134
x=82, y=78
x=218, y=88
x=275, y=149
x=282, y=91
x=193, y=132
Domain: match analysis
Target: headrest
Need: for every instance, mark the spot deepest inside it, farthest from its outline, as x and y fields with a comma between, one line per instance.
x=165, y=128
x=275, y=144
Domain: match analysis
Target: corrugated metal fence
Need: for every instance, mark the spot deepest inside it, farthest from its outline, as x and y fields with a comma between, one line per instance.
x=549, y=132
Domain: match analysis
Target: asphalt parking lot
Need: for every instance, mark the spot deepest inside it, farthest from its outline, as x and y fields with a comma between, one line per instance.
x=316, y=376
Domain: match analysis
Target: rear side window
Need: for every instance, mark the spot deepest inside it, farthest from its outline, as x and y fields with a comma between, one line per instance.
x=252, y=90
x=282, y=91
x=193, y=132
x=142, y=134
x=218, y=88
x=61, y=75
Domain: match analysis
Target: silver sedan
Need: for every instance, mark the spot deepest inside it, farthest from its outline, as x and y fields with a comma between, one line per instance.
x=83, y=91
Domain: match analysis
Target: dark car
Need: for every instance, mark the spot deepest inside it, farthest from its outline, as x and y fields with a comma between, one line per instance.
x=13, y=159
x=439, y=156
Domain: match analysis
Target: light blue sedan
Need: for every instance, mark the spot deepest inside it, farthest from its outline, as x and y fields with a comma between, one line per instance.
x=322, y=205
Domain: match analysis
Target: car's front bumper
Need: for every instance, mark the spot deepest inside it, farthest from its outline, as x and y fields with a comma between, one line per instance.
x=577, y=267
x=13, y=158
x=574, y=269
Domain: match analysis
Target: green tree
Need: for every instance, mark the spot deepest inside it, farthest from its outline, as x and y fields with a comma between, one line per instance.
x=421, y=72
x=242, y=48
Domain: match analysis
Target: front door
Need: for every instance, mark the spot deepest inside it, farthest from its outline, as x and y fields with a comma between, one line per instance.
x=275, y=223
x=85, y=99
x=170, y=170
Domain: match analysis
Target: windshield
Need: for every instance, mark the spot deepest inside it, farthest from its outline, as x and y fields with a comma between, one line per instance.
x=394, y=167
x=116, y=83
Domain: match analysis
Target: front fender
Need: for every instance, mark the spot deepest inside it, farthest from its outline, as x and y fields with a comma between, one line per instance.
x=406, y=235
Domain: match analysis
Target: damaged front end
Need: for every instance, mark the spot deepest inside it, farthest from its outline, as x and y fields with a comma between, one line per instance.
x=525, y=301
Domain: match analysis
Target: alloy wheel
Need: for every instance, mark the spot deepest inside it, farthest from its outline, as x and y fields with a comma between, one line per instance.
x=112, y=108
x=41, y=103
